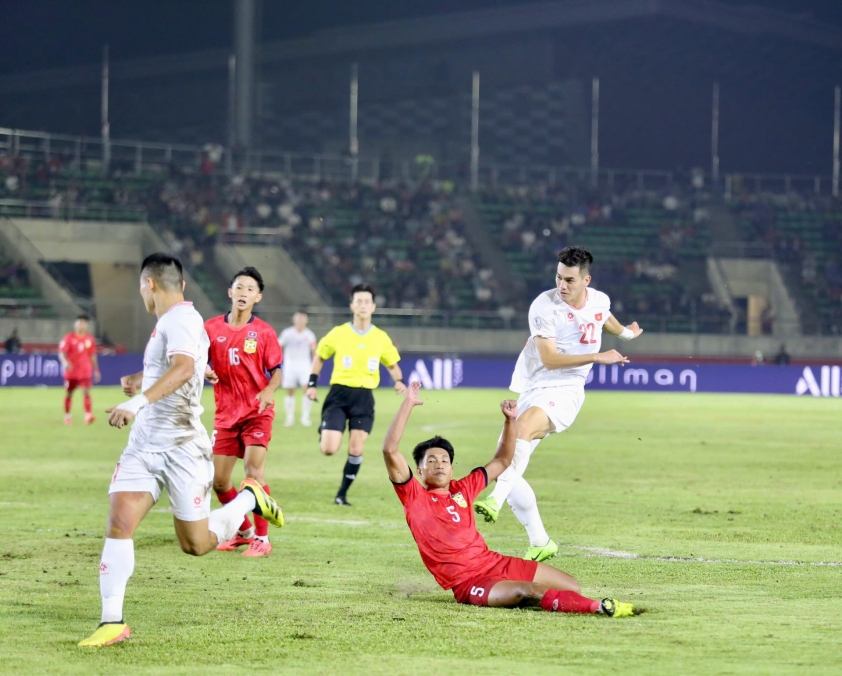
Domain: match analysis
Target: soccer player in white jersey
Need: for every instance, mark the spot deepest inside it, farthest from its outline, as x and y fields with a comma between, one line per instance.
x=566, y=325
x=168, y=447
x=299, y=344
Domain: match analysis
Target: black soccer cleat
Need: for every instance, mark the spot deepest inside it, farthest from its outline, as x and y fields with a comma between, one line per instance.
x=341, y=500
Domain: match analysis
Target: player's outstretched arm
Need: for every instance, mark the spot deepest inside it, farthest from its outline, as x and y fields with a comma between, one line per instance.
x=180, y=371
x=551, y=359
x=615, y=328
x=506, y=449
x=396, y=464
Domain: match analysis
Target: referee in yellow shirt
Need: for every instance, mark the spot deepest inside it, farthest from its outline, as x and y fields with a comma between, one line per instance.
x=358, y=348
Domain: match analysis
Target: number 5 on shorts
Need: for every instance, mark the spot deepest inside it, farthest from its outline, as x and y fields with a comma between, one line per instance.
x=479, y=592
x=213, y=439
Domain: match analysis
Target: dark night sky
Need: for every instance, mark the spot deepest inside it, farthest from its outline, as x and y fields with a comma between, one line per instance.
x=38, y=34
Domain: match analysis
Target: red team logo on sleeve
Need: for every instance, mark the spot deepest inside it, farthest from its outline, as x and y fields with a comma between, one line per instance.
x=598, y=316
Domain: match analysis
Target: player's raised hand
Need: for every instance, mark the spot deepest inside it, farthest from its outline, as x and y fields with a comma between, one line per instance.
x=611, y=357
x=634, y=328
x=129, y=386
x=509, y=408
x=412, y=393
x=265, y=400
x=119, y=417
x=210, y=375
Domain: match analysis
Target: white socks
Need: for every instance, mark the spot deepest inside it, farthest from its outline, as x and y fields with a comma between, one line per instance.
x=306, y=406
x=289, y=407
x=225, y=521
x=525, y=507
x=507, y=480
x=115, y=569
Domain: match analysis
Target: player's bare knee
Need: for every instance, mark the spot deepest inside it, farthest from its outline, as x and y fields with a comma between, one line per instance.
x=193, y=548
x=222, y=484
x=328, y=449
x=119, y=527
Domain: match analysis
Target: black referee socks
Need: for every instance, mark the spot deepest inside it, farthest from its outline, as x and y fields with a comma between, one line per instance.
x=349, y=473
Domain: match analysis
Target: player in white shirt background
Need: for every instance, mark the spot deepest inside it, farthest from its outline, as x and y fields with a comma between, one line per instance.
x=299, y=344
x=566, y=325
x=168, y=447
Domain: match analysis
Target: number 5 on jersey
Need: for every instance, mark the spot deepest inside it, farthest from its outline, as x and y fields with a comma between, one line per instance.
x=452, y=511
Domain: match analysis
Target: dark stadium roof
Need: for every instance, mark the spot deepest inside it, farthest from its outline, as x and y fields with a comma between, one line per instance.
x=460, y=26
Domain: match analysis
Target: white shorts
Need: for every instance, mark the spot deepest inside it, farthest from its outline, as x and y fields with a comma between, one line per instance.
x=295, y=375
x=185, y=471
x=561, y=404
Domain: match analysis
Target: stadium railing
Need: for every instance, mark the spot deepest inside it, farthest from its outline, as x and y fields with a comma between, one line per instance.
x=143, y=156
x=71, y=212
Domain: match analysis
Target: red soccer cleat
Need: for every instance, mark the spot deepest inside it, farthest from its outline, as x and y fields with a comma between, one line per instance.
x=232, y=544
x=89, y=418
x=258, y=548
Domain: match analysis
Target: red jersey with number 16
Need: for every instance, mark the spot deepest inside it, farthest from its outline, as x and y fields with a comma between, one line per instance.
x=445, y=531
x=241, y=357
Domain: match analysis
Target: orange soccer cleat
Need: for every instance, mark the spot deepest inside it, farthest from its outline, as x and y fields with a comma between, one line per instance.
x=235, y=542
x=258, y=548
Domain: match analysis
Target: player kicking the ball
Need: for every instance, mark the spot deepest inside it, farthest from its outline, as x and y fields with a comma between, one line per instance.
x=566, y=324
x=168, y=447
x=243, y=349
x=438, y=512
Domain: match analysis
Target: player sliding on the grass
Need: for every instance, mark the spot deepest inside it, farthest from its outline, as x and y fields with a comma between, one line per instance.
x=566, y=324
x=440, y=515
x=168, y=447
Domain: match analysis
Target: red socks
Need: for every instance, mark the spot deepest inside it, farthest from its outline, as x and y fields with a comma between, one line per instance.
x=87, y=403
x=568, y=602
x=67, y=402
x=228, y=496
x=261, y=525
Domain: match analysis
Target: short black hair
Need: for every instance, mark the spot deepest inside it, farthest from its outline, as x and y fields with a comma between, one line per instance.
x=362, y=288
x=165, y=269
x=83, y=317
x=302, y=311
x=421, y=449
x=249, y=272
x=576, y=256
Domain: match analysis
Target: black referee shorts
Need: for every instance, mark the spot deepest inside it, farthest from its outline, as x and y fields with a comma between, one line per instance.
x=353, y=406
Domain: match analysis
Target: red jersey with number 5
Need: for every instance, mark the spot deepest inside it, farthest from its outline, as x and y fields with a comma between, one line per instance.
x=242, y=357
x=78, y=351
x=444, y=528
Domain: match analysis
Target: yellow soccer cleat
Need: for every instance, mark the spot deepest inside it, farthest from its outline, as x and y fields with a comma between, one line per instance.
x=107, y=633
x=614, y=608
x=266, y=506
x=539, y=554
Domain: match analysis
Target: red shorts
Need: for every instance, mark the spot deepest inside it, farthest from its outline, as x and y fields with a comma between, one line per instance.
x=252, y=432
x=475, y=590
x=72, y=383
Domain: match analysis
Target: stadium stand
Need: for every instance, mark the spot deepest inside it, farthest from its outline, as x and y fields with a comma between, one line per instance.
x=18, y=298
x=649, y=246
x=804, y=234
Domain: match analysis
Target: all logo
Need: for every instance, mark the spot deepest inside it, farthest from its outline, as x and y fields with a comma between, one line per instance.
x=221, y=339
x=459, y=499
x=250, y=346
x=258, y=435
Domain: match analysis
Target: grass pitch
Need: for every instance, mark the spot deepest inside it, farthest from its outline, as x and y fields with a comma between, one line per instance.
x=720, y=514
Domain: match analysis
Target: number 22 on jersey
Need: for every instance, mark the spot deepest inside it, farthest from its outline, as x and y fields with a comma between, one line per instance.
x=588, y=333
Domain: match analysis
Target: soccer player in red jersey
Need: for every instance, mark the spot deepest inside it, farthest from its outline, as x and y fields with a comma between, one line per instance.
x=77, y=353
x=439, y=512
x=243, y=349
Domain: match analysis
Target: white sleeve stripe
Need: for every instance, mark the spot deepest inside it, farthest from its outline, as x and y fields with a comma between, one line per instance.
x=189, y=354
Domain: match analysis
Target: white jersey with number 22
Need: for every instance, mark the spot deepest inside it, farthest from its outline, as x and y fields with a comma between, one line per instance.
x=574, y=330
